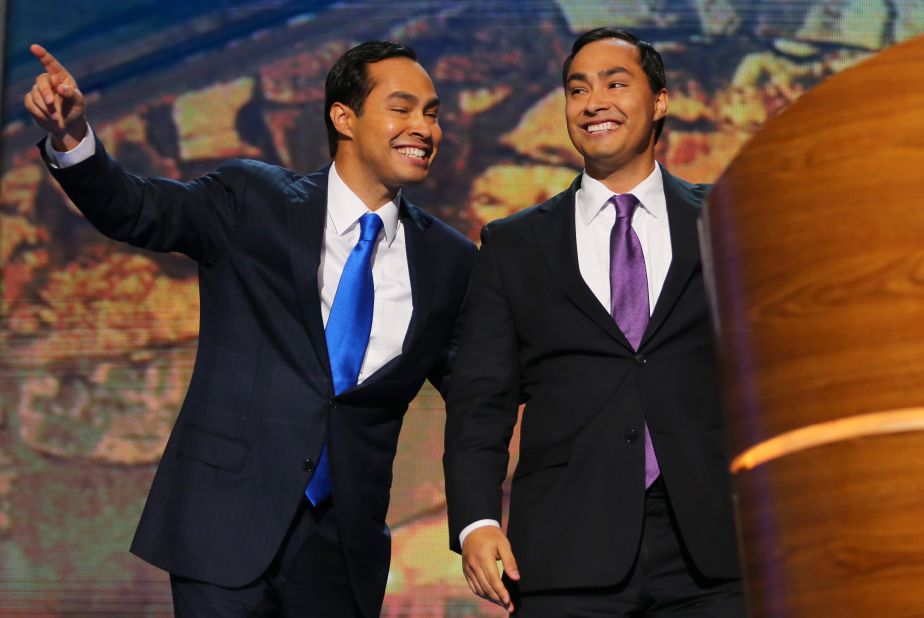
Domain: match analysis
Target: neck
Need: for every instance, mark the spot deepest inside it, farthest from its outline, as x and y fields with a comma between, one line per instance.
x=372, y=191
x=623, y=177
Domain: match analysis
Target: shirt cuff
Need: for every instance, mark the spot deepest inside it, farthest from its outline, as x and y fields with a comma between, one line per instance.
x=474, y=525
x=81, y=152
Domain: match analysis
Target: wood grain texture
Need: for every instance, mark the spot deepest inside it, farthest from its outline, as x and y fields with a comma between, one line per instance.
x=813, y=244
x=836, y=531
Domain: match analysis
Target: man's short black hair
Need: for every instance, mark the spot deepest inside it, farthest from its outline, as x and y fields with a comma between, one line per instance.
x=348, y=80
x=649, y=59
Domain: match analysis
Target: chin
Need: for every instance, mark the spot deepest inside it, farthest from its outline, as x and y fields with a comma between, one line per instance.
x=605, y=153
x=406, y=179
x=417, y=174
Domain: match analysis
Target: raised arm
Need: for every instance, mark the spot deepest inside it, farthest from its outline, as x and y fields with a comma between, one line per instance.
x=196, y=218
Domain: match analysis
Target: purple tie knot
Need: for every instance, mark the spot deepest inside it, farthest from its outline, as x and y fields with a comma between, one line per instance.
x=625, y=205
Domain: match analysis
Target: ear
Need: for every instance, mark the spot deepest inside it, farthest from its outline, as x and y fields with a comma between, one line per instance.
x=342, y=117
x=660, y=105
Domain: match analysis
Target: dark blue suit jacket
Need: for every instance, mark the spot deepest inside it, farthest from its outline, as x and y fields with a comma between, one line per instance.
x=259, y=404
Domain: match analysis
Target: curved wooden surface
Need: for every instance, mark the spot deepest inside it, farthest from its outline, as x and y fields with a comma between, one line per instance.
x=814, y=247
x=835, y=532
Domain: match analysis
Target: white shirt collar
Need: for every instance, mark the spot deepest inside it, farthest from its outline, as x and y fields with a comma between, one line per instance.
x=344, y=208
x=594, y=196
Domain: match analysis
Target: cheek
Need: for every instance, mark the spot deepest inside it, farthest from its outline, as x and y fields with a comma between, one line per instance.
x=635, y=111
x=390, y=130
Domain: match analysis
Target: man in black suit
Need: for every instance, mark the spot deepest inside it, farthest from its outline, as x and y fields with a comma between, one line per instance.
x=590, y=309
x=326, y=301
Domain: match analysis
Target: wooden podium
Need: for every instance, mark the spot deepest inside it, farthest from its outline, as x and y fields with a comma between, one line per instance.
x=813, y=242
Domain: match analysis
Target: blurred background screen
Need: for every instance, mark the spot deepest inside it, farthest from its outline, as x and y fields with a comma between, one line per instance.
x=98, y=339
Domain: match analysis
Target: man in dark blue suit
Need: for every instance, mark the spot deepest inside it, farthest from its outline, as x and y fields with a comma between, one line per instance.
x=326, y=301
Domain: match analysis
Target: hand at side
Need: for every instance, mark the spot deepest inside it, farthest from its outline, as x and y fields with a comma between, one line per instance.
x=482, y=549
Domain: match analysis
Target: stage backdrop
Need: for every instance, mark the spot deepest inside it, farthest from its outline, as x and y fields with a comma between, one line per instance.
x=98, y=339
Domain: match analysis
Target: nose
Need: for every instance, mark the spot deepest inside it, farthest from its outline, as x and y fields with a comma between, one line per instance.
x=596, y=102
x=421, y=126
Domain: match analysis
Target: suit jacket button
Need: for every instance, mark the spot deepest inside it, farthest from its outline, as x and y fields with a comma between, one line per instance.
x=640, y=360
x=331, y=405
x=631, y=436
x=308, y=465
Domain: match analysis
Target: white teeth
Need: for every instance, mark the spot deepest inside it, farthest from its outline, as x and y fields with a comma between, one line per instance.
x=603, y=126
x=412, y=152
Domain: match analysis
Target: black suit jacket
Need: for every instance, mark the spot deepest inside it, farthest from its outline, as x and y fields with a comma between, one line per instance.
x=534, y=333
x=259, y=404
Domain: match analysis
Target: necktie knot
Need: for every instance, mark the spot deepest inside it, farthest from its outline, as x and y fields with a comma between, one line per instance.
x=625, y=204
x=370, y=224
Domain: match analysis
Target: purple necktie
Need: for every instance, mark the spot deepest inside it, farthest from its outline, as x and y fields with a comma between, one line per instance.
x=629, y=295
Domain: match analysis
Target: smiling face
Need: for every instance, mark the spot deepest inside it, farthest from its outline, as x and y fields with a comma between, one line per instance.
x=393, y=141
x=611, y=110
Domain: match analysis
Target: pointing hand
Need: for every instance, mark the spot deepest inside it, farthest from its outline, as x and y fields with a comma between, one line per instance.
x=56, y=103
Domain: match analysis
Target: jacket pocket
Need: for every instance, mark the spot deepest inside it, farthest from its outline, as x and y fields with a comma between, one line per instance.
x=212, y=448
x=540, y=458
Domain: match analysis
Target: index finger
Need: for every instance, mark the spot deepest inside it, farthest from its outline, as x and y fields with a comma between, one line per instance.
x=51, y=64
x=495, y=584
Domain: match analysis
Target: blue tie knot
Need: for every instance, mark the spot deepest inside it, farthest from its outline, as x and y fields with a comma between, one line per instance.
x=625, y=205
x=370, y=224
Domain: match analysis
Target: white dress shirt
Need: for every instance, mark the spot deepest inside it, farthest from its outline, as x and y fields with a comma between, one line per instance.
x=594, y=217
x=84, y=150
x=391, y=313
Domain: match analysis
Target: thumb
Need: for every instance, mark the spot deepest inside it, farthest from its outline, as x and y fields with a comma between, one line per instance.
x=507, y=559
x=67, y=90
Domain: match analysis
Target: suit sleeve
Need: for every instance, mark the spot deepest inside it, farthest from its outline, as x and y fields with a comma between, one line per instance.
x=194, y=218
x=483, y=399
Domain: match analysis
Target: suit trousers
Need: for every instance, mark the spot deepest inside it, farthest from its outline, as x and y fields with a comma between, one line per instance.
x=662, y=582
x=307, y=578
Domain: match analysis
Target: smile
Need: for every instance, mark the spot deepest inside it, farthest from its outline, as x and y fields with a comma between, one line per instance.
x=602, y=127
x=417, y=154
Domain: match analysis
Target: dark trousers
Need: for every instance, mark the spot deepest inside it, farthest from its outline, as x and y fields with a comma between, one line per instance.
x=307, y=579
x=663, y=581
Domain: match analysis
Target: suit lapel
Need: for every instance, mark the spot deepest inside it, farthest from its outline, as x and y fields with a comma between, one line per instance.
x=682, y=212
x=306, y=215
x=420, y=267
x=556, y=235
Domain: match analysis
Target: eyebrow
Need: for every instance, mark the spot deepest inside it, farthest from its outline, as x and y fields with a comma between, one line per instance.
x=412, y=99
x=582, y=77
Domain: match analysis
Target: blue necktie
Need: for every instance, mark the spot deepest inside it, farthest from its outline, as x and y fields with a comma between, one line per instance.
x=347, y=332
